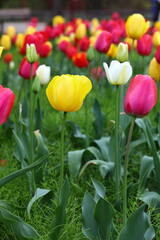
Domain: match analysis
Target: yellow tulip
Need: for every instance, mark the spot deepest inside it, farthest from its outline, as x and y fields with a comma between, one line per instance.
x=30, y=30
x=136, y=26
x=6, y=41
x=11, y=31
x=67, y=92
x=156, y=39
x=157, y=25
x=58, y=19
x=1, y=50
x=154, y=69
x=20, y=40
x=81, y=31
x=112, y=51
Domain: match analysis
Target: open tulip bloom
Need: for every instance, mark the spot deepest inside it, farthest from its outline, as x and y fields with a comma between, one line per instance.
x=118, y=73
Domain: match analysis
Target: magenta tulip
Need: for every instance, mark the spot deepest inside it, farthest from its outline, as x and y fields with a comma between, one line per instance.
x=144, y=45
x=157, y=54
x=25, y=68
x=103, y=42
x=141, y=96
x=6, y=103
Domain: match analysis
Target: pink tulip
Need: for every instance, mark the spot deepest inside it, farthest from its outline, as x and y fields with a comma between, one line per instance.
x=157, y=54
x=144, y=45
x=141, y=96
x=6, y=103
x=25, y=68
x=103, y=42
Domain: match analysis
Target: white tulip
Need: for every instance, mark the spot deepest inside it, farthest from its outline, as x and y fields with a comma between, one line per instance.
x=118, y=73
x=43, y=72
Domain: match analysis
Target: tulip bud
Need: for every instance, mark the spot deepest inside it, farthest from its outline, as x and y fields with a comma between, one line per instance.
x=122, y=52
x=141, y=96
x=31, y=53
x=36, y=85
x=90, y=53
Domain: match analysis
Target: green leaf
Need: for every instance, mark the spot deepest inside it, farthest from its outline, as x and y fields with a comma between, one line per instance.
x=103, y=214
x=89, y=227
x=74, y=162
x=60, y=212
x=20, y=172
x=22, y=230
x=38, y=194
x=20, y=154
x=146, y=167
x=100, y=189
x=99, y=121
x=6, y=205
x=136, y=226
x=105, y=167
x=103, y=146
x=156, y=159
x=95, y=152
x=151, y=198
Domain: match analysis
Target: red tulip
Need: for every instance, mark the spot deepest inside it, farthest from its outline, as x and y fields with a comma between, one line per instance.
x=157, y=54
x=80, y=60
x=103, y=42
x=84, y=44
x=25, y=68
x=141, y=96
x=63, y=45
x=71, y=51
x=45, y=50
x=144, y=45
x=6, y=103
x=8, y=58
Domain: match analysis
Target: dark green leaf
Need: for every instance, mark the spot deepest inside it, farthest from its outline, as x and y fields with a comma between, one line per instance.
x=38, y=194
x=151, y=198
x=146, y=167
x=100, y=189
x=60, y=212
x=136, y=226
x=99, y=121
x=89, y=228
x=103, y=146
x=20, y=172
x=74, y=162
x=22, y=230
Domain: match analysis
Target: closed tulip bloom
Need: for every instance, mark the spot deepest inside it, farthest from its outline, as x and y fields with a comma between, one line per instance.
x=118, y=73
x=25, y=68
x=112, y=51
x=43, y=72
x=103, y=42
x=10, y=31
x=80, y=60
x=67, y=92
x=144, y=45
x=81, y=31
x=157, y=54
x=7, y=98
x=8, y=58
x=156, y=39
x=141, y=96
x=58, y=19
x=136, y=26
x=1, y=50
x=6, y=42
x=20, y=37
x=154, y=69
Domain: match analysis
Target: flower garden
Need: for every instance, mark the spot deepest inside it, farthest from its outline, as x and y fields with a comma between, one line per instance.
x=80, y=130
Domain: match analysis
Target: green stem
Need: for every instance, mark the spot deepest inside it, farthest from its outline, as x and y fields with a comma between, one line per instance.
x=62, y=151
x=125, y=172
x=86, y=113
x=31, y=124
x=117, y=160
x=20, y=91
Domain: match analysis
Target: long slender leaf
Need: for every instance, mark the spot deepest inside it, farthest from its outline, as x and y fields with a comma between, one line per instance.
x=156, y=159
x=22, y=230
x=147, y=166
x=20, y=172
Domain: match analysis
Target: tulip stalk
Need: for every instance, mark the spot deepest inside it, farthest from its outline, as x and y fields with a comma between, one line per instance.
x=125, y=172
x=62, y=150
x=117, y=161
